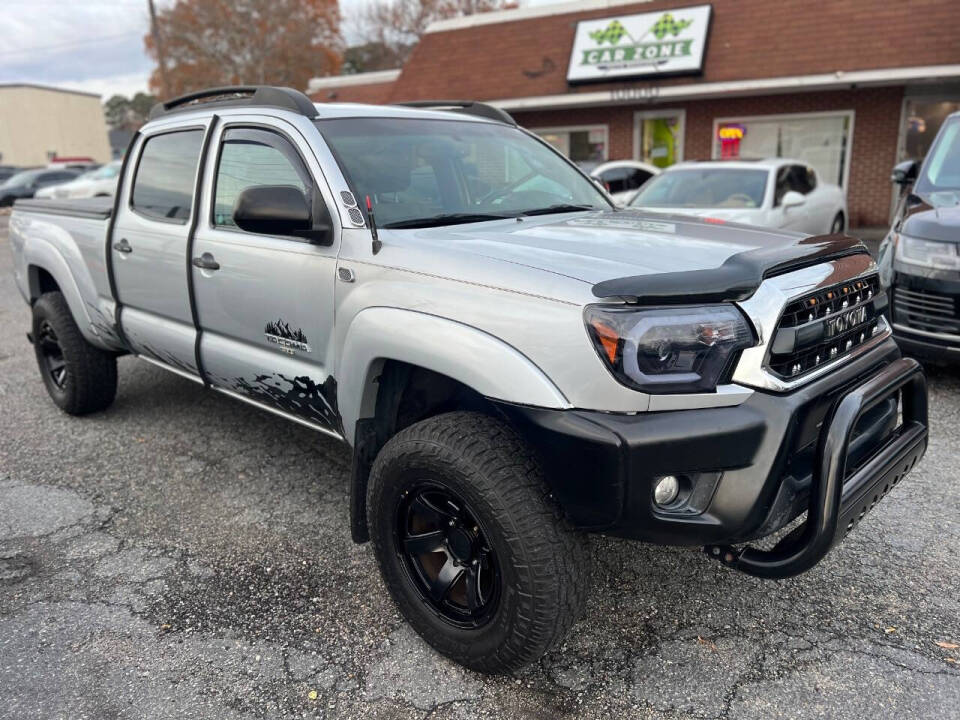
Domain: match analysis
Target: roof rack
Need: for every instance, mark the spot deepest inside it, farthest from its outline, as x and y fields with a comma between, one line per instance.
x=238, y=96
x=467, y=107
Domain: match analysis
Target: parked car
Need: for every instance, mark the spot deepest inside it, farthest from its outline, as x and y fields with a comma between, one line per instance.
x=513, y=361
x=920, y=257
x=8, y=171
x=83, y=164
x=101, y=182
x=774, y=193
x=25, y=183
x=622, y=178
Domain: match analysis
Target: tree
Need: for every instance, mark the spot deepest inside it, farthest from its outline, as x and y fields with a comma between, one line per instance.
x=125, y=113
x=208, y=43
x=399, y=24
x=373, y=56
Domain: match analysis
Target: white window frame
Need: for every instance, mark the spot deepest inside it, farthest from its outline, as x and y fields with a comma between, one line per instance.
x=578, y=128
x=850, y=114
x=641, y=115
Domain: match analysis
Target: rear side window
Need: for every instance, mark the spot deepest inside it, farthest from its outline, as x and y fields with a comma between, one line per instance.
x=164, y=184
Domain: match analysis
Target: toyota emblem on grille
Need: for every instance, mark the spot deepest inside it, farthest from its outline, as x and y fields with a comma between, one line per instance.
x=839, y=324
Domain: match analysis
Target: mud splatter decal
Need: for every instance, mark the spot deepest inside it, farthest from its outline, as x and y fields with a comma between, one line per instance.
x=279, y=333
x=299, y=396
x=103, y=326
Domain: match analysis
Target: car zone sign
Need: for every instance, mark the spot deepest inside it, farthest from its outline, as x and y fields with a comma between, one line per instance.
x=655, y=43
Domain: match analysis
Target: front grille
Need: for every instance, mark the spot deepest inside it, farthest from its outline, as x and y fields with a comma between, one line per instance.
x=824, y=326
x=926, y=311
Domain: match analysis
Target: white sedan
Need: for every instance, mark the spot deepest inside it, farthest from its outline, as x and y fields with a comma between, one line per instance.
x=101, y=182
x=622, y=178
x=777, y=193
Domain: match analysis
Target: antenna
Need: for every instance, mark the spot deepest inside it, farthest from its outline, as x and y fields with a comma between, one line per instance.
x=373, y=227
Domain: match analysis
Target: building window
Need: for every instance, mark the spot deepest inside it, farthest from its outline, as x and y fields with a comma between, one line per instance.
x=821, y=140
x=586, y=145
x=922, y=118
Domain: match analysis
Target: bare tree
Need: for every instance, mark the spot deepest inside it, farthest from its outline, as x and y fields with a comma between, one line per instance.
x=398, y=25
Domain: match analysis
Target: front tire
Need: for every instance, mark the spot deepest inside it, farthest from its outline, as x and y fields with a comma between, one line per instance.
x=470, y=545
x=79, y=377
x=837, y=226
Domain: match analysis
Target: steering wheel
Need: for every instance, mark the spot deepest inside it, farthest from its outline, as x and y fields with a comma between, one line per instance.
x=498, y=193
x=742, y=197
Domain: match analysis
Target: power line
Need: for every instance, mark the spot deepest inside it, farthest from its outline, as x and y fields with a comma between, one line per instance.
x=64, y=46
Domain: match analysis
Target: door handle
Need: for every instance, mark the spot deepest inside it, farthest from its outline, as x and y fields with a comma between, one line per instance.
x=206, y=262
x=122, y=246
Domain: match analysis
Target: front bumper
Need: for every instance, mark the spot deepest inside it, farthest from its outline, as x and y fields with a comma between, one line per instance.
x=751, y=469
x=925, y=324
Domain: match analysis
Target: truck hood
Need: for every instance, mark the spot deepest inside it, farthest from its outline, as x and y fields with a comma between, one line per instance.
x=602, y=245
x=619, y=253
x=748, y=216
x=929, y=220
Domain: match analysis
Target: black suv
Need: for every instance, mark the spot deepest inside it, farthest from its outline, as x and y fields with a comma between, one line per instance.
x=920, y=257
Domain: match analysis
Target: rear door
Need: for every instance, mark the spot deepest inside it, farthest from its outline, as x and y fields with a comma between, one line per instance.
x=265, y=302
x=149, y=246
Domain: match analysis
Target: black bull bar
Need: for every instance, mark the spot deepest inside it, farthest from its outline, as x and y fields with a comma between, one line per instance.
x=838, y=502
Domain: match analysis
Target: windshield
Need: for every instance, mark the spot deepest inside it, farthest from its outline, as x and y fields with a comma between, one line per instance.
x=421, y=173
x=940, y=176
x=704, y=187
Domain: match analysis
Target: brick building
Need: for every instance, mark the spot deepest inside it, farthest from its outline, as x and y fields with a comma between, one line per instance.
x=850, y=86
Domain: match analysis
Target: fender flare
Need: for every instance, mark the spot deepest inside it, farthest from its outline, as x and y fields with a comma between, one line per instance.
x=462, y=352
x=40, y=255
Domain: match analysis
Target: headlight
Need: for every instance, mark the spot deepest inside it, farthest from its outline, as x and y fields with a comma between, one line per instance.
x=928, y=253
x=668, y=350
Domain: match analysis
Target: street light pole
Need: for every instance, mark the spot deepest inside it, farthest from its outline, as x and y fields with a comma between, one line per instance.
x=158, y=43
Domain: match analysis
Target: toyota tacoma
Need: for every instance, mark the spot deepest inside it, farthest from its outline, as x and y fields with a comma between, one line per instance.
x=513, y=362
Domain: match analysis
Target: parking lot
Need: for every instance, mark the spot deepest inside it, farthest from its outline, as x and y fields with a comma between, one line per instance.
x=186, y=556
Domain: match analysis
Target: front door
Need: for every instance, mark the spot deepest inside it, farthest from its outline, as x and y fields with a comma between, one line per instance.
x=265, y=302
x=658, y=137
x=149, y=247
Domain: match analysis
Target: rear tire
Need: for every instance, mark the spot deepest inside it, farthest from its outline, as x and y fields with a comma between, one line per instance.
x=79, y=377
x=469, y=487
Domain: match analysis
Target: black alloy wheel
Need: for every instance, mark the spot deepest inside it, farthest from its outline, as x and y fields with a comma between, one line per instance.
x=53, y=362
x=446, y=555
x=79, y=377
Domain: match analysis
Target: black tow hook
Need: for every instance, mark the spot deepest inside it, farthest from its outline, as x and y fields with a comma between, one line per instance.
x=30, y=338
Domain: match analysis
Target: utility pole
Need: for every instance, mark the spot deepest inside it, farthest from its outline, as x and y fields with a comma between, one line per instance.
x=161, y=58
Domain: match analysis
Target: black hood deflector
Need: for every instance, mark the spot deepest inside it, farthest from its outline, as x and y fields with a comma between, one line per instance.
x=737, y=279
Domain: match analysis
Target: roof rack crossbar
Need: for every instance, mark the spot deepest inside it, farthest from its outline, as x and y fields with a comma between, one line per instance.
x=467, y=107
x=238, y=96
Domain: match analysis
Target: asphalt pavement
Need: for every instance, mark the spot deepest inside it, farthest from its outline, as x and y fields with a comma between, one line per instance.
x=182, y=555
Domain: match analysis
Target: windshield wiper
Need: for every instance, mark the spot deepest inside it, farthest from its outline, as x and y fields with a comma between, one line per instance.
x=448, y=219
x=559, y=208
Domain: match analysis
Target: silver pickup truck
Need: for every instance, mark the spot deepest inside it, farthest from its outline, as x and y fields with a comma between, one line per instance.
x=512, y=361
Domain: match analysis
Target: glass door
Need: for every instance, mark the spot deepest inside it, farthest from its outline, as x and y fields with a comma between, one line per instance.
x=658, y=137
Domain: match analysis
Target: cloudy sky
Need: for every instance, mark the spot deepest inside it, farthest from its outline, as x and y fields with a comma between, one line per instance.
x=92, y=45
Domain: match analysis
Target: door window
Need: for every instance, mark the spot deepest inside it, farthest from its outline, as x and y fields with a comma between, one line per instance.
x=251, y=157
x=798, y=178
x=164, y=183
x=615, y=180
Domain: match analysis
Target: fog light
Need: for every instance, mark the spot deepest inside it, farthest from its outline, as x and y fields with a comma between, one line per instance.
x=666, y=490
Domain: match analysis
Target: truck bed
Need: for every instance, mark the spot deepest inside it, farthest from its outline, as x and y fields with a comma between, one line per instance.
x=99, y=208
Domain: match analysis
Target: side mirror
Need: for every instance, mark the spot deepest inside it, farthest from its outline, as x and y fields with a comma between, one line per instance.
x=792, y=199
x=905, y=173
x=273, y=210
